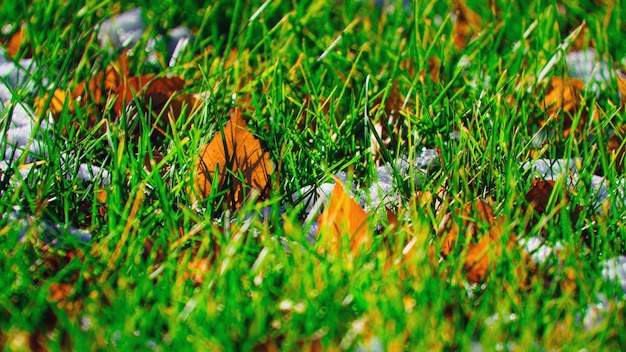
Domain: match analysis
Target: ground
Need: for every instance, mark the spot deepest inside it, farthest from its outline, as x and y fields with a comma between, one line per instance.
x=331, y=175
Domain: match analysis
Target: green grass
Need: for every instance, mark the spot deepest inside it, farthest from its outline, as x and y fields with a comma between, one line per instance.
x=132, y=286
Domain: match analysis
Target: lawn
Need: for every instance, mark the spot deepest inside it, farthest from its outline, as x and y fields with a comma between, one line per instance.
x=324, y=175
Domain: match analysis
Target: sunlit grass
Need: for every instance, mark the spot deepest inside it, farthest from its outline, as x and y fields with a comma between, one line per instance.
x=166, y=270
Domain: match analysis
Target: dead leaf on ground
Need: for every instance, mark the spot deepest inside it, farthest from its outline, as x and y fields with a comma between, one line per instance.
x=160, y=98
x=473, y=215
x=563, y=101
x=539, y=194
x=240, y=162
x=483, y=234
x=416, y=248
x=56, y=101
x=343, y=217
x=621, y=85
x=538, y=197
x=16, y=42
x=617, y=147
x=467, y=24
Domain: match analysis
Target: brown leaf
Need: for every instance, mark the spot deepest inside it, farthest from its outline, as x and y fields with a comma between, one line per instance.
x=240, y=162
x=562, y=103
x=479, y=259
x=59, y=291
x=467, y=23
x=99, y=87
x=343, y=216
x=539, y=194
x=484, y=244
x=617, y=147
x=473, y=215
x=538, y=197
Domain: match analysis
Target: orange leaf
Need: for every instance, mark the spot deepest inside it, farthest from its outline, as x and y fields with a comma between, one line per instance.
x=17, y=40
x=538, y=197
x=479, y=257
x=99, y=86
x=131, y=87
x=621, y=85
x=59, y=291
x=342, y=216
x=470, y=222
x=562, y=102
x=155, y=94
x=239, y=161
x=466, y=24
x=478, y=260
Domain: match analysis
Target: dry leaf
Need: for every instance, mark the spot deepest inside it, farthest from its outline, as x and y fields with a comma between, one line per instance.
x=343, y=216
x=562, y=103
x=98, y=88
x=538, y=196
x=617, y=147
x=479, y=259
x=240, y=162
x=469, y=220
x=57, y=101
x=467, y=23
x=17, y=40
x=158, y=97
x=59, y=292
x=415, y=248
x=480, y=254
x=621, y=85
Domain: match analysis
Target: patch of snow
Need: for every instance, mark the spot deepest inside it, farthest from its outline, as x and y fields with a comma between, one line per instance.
x=551, y=169
x=539, y=251
x=587, y=66
x=596, y=313
x=123, y=30
x=614, y=270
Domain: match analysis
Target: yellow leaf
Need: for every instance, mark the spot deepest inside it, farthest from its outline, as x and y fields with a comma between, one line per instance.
x=621, y=85
x=57, y=101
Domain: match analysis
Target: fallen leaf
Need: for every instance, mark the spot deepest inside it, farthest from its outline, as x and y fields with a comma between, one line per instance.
x=621, y=85
x=473, y=214
x=98, y=88
x=16, y=42
x=342, y=217
x=240, y=162
x=483, y=235
x=59, y=291
x=617, y=148
x=539, y=194
x=415, y=246
x=159, y=98
x=538, y=197
x=480, y=256
x=467, y=23
x=56, y=103
x=562, y=102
